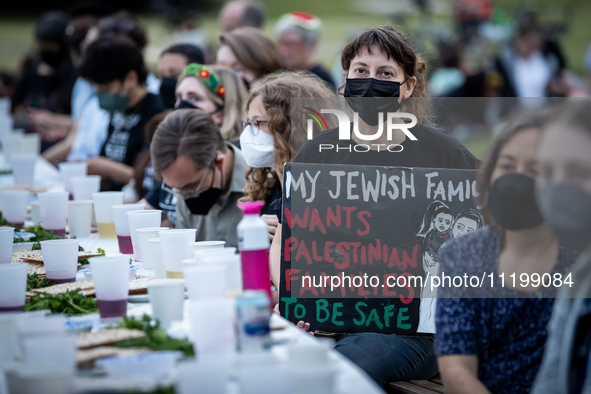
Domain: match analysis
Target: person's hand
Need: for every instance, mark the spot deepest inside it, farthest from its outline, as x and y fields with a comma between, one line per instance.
x=304, y=326
x=272, y=224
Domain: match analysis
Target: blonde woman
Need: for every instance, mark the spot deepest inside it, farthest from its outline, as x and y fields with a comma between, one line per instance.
x=217, y=91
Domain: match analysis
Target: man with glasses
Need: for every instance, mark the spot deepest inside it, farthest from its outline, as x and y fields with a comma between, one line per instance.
x=206, y=174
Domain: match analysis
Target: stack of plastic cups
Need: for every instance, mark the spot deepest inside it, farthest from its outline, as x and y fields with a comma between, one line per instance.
x=141, y=219
x=83, y=187
x=54, y=211
x=111, y=282
x=122, y=225
x=176, y=247
x=104, y=214
x=70, y=169
x=14, y=206
x=144, y=235
x=60, y=258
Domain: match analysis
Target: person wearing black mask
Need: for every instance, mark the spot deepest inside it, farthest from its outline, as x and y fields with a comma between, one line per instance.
x=173, y=60
x=478, y=340
x=115, y=67
x=206, y=173
x=564, y=196
x=46, y=87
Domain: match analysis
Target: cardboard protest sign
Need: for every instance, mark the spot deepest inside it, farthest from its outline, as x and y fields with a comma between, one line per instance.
x=357, y=240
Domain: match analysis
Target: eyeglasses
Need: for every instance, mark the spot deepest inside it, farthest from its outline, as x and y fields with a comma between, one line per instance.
x=255, y=123
x=184, y=194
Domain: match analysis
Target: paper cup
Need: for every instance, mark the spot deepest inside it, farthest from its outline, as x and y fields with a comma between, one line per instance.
x=6, y=241
x=144, y=235
x=111, y=283
x=14, y=206
x=141, y=219
x=60, y=257
x=212, y=324
x=232, y=273
x=167, y=299
x=157, y=258
x=206, y=282
x=23, y=168
x=83, y=187
x=30, y=143
x=54, y=211
x=35, y=212
x=79, y=218
x=200, y=245
x=122, y=225
x=104, y=214
x=13, y=287
x=70, y=169
x=176, y=247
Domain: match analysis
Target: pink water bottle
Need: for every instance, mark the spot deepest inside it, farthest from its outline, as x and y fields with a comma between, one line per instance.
x=253, y=243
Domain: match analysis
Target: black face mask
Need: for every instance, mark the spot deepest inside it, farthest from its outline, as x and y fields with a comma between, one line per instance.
x=246, y=84
x=52, y=58
x=167, y=92
x=384, y=96
x=201, y=204
x=512, y=202
x=186, y=105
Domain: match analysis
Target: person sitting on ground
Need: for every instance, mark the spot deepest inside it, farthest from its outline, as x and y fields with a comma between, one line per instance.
x=297, y=35
x=115, y=67
x=491, y=340
x=206, y=173
x=250, y=53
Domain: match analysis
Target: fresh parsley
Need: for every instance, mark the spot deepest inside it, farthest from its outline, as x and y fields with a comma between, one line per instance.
x=72, y=303
x=35, y=282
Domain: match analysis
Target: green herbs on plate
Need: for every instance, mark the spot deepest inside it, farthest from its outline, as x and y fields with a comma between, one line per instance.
x=35, y=282
x=72, y=303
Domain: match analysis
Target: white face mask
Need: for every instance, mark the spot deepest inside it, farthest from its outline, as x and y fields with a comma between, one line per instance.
x=257, y=147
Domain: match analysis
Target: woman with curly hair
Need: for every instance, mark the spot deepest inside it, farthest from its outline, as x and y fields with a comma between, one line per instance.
x=274, y=133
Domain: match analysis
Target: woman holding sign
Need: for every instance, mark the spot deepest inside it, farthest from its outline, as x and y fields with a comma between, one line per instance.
x=384, y=76
x=491, y=338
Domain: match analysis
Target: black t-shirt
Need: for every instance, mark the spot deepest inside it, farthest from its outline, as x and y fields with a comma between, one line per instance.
x=163, y=200
x=433, y=149
x=125, y=138
x=323, y=74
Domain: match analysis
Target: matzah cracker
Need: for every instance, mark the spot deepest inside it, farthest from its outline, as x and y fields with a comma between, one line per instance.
x=86, y=357
x=35, y=256
x=87, y=255
x=33, y=268
x=141, y=286
x=106, y=337
x=63, y=288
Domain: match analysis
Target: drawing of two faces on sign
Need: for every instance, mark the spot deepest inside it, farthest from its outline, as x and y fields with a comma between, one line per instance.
x=439, y=225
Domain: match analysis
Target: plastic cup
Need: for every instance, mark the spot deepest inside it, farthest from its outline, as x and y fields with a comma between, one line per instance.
x=30, y=143
x=35, y=212
x=233, y=271
x=33, y=379
x=200, y=254
x=157, y=258
x=70, y=169
x=83, y=187
x=144, y=235
x=54, y=211
x=111, y=283
x=141, y=219
x=212, y=325
x=13, y=287
x=104, y=214
x=209, y=377
x=80, y=218
x=6, y=241
x=167, y=299
x=122, y=225
x=23, y=168
x=176, y=247
x=200, y=245
x=206, y=282
x=60, y=257
x=11, y=142
x=14, y=206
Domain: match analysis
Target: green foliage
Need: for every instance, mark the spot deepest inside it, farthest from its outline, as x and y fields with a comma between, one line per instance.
x=156, y=338
x=35, y=282
x=72, y=303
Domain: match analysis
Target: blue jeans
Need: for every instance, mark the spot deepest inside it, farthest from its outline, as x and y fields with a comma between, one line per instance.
x=390, y=357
